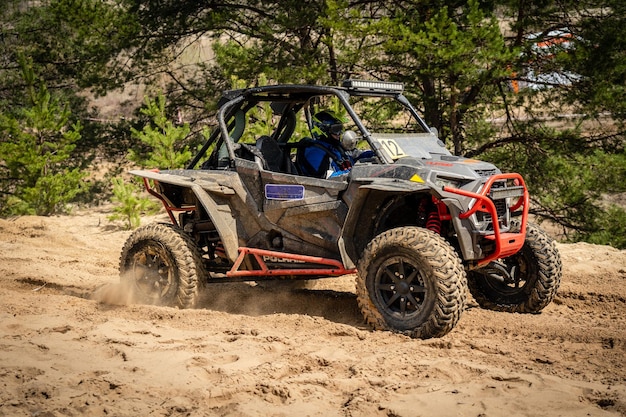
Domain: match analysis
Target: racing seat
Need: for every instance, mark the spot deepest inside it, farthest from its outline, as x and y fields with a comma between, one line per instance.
x=272, y=156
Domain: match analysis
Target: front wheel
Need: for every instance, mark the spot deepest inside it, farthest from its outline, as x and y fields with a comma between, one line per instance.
x=160, y=264
x=525, y=282
x=411, y=280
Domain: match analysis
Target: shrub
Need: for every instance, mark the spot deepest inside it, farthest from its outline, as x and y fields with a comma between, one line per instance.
x=129, y=203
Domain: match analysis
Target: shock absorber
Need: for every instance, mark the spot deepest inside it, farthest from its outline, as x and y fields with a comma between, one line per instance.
x=437, y=215
x=433, y=222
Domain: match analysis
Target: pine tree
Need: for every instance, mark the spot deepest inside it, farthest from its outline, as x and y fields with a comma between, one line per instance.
x=36, y=144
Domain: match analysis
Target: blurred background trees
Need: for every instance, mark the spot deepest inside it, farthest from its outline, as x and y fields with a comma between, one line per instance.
x=535, y=86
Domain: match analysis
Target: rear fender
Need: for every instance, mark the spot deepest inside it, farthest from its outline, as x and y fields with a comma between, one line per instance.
x=219, y=214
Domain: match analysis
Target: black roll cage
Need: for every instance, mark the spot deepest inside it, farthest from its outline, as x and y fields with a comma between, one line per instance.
x=292, y=95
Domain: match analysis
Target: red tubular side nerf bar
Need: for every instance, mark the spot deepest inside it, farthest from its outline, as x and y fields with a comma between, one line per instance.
x=333, y=267
x=506, y=244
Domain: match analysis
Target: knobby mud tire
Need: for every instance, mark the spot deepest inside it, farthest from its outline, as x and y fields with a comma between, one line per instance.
x=162, y=265
x=424, y=269
x=537, y=268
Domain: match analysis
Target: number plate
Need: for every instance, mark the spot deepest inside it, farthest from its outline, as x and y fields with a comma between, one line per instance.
x=284, y=192
x=392, y=148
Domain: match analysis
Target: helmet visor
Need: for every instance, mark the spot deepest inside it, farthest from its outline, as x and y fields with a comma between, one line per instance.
x=335, y=128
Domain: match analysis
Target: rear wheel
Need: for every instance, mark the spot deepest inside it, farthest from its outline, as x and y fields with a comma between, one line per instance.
x=161, y=265
x=411, y=280
x=525, y=282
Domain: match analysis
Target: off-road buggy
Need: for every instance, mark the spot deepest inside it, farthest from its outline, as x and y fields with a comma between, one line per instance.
x=414, y=223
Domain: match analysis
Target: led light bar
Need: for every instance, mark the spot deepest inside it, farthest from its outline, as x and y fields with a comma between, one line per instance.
x=500, y=193
x=374, y=86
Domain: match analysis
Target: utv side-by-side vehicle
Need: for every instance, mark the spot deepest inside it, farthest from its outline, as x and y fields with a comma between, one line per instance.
x=417, y=225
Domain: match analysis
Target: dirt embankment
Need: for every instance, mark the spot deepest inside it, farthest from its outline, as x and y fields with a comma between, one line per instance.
x=253, y=352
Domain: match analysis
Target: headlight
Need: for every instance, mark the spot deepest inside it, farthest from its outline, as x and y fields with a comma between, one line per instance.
x=448, y=182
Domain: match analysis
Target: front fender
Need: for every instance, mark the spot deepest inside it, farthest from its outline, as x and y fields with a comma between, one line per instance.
x=364, y=204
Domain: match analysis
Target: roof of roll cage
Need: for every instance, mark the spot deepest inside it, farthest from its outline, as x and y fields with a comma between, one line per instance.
x=299, y=91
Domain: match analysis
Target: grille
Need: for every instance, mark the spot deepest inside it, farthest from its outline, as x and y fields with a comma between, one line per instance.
x=501, y=210
x=484, y=173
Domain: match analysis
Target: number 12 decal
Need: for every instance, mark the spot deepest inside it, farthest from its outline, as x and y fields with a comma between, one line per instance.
x=392, y=148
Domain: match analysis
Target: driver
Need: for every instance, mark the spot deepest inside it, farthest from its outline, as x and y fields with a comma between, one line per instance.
x=326, y=156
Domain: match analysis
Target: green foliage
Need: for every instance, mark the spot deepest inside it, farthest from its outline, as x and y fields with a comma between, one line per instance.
x=162, y=138
x=569, y=184
x=611, y=229
x=456, y=60
x=70, y=42
x=163, y=149
x=600, y=57
x=285, y=40
x=451, y=58
x=130, y=205
x=36, y=145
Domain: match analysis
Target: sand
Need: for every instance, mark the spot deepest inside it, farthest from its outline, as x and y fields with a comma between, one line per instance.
x=72, y=345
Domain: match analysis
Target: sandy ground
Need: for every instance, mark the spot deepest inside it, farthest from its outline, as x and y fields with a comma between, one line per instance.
x=246, y=351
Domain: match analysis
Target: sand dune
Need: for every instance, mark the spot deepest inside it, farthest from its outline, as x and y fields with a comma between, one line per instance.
x=72, y=344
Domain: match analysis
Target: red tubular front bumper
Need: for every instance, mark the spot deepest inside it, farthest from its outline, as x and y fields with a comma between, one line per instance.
x=507, y=243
